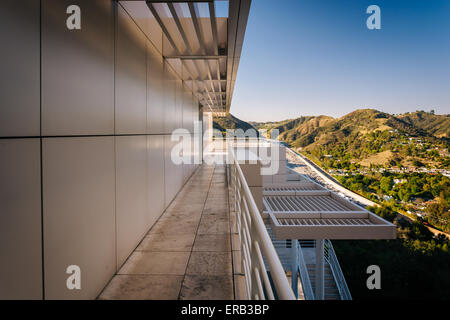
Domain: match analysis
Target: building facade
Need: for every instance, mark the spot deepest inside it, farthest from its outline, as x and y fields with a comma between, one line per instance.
x=85, y=138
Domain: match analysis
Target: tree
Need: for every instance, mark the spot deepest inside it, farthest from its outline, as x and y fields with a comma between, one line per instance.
x=386, y=184
x=385, y=212
x=418, y=231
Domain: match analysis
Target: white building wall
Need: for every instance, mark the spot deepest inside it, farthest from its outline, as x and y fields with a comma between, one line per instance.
x=95, y=135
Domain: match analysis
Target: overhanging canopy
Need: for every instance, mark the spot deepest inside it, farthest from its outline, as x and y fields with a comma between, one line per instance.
x=305, y=210
x=208, y=46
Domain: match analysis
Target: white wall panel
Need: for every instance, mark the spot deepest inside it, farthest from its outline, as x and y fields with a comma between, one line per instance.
x=169, y=172
x=79, y=214
x=179, y=104
x=100, y=194
x=19, y=68
x=146, y=22
x=194, y=114
x=155, y=91
x=169, y=99
x=173, y=173
x=78, y=69
x=20, y=219
x=132, y=219
x=186, y=114
x=155, y=174
x=131, y=76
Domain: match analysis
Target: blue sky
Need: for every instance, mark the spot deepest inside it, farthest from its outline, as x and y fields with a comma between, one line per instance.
x=311, y=57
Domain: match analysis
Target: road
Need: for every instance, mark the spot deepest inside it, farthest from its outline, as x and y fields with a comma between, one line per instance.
x=304, y=166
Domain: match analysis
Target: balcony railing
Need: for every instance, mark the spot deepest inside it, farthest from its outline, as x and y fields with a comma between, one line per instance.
x=257, y=249
x=267, y=263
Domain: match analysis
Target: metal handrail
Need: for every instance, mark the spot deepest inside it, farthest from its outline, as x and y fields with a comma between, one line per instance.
x=330, y=256
x=307, y=243
x=255, y=242
x=304, y=275
x=252, y=227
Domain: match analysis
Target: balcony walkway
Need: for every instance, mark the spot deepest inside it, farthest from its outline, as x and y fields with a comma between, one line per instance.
x=187, y=253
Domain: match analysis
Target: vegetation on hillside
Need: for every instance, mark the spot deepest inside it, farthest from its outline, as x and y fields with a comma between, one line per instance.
x=437, y=125
x=413, y=266
x=401, y=162
x=426, y=195
x=386, y=158
x=230, y=122
x=309, y=131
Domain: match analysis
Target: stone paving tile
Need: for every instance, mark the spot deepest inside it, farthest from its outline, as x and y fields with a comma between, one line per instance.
x=187, y=213
x=222, y=212
x=173, y=225
x=212, y=204
x=186, y=205
x=209, y=263
x=147, y=262
x=142, y=287
x=235, y=241
x=212, y=242
x=178, y=217
x=201, y=287
x=240, y=287
x=166, y=242
x=214, y=224
x=187, y=253
x=237, y=267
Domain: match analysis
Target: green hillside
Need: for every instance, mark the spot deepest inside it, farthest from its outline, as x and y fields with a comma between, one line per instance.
x=402, y=163
x=367, y=150
x=438, y=125
x=370, y=137
x=230, y=122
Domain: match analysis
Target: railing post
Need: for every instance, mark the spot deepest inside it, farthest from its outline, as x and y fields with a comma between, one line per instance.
x=294, y=266
x=320, y=292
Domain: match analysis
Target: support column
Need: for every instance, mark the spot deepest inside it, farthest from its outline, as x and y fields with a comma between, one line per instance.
x=294, y=266
x=207, y=132
x=320, y=288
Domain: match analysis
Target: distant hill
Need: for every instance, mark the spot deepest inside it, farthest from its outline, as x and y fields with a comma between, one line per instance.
x=230, y=122
x=438, y=125
x=306, y=130
x=364, y=133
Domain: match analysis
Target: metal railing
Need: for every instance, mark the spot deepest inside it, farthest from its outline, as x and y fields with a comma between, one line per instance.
x=257, y=249
x=331, y=258
x=291, y=256
x=304, y=275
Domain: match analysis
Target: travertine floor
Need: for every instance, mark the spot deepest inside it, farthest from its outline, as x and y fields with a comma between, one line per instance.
x=187, y=253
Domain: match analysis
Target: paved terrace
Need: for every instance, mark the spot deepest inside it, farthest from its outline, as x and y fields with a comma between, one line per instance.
x=187, y=253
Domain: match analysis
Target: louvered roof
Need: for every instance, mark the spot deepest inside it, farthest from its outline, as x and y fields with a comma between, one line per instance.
x=208, y=44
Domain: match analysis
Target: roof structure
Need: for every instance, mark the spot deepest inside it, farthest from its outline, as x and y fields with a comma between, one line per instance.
x=208, y=47
x=305, y=210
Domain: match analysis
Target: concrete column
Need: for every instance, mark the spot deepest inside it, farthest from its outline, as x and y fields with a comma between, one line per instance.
x=320, y=290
